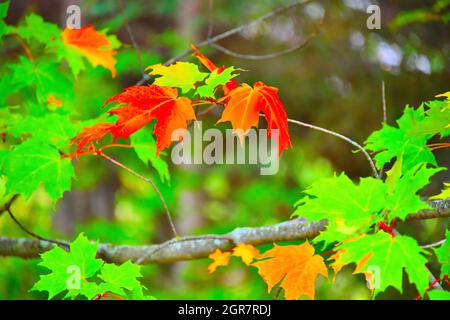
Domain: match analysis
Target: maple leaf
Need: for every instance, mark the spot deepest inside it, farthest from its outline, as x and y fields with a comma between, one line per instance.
x=438, y=295
x=350, y=208
x=182, y=75
x=42, y=75
x=142, y=104
x=117, y=278
x=443, y=254
x=246, y=252
x=230, y=85
x=415, y=128
x=296, y=266
x=386, y=256
x=89, y=135
x=219, y=259
x=93, y=45
x=54, y=129
x=215, y=79
x=243, y=110
x=445, y=194
x=145, y=147
x=33, y=22
x=80, y=257
x=402, y=198
x=33, y=163
x=75, y=272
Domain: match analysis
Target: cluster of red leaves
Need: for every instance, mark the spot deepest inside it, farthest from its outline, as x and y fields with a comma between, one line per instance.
x=139, y=105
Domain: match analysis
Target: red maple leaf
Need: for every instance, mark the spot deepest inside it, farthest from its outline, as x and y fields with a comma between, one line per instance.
x=244, y=105
x=91, y=134
x=142, y=104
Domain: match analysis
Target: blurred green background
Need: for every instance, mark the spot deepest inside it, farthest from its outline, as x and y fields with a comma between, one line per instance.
x=334, y=82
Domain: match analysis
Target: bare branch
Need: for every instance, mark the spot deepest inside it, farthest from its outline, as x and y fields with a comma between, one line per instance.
x=433, y=245
x=228, y=33
x=264, y=56
x=196, y=247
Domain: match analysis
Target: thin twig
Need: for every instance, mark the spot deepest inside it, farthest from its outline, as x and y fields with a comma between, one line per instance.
x=383, y=98
x=432, y=245
x=24, y=46
x=227, y=34
x=8, y=204
x=148, y=180
x=136, y=46
x=340, y=136
x=210, y=19
x=264, y=56
x=34, y=235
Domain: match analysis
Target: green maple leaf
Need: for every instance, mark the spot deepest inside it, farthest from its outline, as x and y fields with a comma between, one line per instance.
x=415, y=128
x=438, y=295
x=402, y=198
x=215, y=79
x=3, y=157
x=33, y=163
x=145, y=147
x=54, y=129
x=407, y=140
x=4, y=9
x=382, y=258
x=70, y=54
x=438, y=118
x=443, y=254
x=182, y=75
x=349, y=208
x=3, y=12
x=116, y=278
x=35, y=28
x=65, y=268
x=44, y=76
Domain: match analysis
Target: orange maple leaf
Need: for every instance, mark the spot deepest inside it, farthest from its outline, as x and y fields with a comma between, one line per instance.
x=93, y=45
x=296, y=266
x=246, y=252
x=219, y=258
x=142, y=104
x=245, y=105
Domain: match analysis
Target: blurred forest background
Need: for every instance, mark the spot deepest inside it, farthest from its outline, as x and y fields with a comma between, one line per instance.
x=334, y=82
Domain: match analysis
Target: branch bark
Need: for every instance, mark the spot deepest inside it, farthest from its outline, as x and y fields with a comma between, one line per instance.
x=196, y=247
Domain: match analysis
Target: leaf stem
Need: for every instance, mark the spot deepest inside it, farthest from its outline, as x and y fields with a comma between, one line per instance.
x=148, y=180
x=340, y=136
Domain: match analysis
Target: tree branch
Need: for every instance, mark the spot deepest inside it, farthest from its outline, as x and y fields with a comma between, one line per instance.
x=227, y=34
x=196, y=247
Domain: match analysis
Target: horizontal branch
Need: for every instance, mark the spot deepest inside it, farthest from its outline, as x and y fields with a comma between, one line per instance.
x=195, y=247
